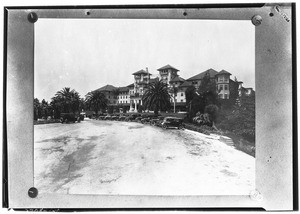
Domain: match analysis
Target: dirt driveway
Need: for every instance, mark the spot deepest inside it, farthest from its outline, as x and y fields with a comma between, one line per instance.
x=111, y=157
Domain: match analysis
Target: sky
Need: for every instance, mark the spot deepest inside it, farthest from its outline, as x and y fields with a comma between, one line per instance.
x=86, y=54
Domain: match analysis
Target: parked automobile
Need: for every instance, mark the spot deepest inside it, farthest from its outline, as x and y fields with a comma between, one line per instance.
x=157, y=121
x=131, y=117
x=121, y=118
x=101, y=117
x=148, y=119
x=68, y=117
x=114, y=117
x=138, y=119
x=107, y=117
x=172, y=122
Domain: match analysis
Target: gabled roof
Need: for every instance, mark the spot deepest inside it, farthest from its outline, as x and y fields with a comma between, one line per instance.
x=122, y=89
x=223, y=72
x=131, y=85
x=107, y=88
x=167, y=67
x=177, y=79
x=141, y=72
x=186, y=84
x=200, y=76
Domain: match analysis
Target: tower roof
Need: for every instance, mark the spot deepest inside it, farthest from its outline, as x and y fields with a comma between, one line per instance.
x=141, y=72
x=167, y=67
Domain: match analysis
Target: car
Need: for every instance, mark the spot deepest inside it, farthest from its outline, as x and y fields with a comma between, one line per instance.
x=107, y=117
x=114, y=117
x=138, y=119
x=68, y=117
x=121, y=118
x=81, y=116
x=172, y=122
x=131, y=117
x=157, y=121
x=148, y=119
x=101, y=117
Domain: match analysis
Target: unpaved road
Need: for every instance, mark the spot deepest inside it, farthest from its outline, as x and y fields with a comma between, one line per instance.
x=111, y=157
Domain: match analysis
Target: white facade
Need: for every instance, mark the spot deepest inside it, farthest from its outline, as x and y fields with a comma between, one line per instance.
x=223, y=85
x=123, y=97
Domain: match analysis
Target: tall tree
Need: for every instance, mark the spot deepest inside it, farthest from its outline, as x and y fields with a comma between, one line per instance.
x=156, y=96
x=190, y=93
x=173, y=91
x=45, y=108
x=193, y=101
x=208, y=91
x=69, y=99
x=96, y=101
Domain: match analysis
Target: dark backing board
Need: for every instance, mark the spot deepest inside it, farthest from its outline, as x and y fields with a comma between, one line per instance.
x=274, y=124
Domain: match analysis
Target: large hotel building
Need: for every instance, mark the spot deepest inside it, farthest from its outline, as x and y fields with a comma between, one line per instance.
x=130, y=97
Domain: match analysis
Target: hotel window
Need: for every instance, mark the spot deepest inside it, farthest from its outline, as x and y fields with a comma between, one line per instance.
x=220, y=79
x=226, y=96
x=182, y=94
x=226, y=87
x=221, y=96
x=221, y=87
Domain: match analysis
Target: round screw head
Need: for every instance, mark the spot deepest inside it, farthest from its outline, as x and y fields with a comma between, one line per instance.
x=32, y=192
x=256, y=20
x=256, y=195
x=32, y=17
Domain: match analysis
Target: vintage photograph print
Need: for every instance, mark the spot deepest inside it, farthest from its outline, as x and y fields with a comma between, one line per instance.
x=144, y=106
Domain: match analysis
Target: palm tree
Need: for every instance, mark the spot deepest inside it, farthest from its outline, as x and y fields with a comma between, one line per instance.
x=45, y=108
x=156, y=96
x=96, y=100
x=69, y=99
x=57, y=106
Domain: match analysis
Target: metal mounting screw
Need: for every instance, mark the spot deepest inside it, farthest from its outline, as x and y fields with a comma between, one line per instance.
x=32, y=17
x=256, y=196
x=256, y=20
x=32, y=192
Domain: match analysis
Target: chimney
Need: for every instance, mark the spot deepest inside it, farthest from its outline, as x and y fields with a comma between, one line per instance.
x=147, y=69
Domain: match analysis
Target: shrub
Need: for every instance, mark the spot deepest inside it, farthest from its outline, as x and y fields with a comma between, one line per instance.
x=241, y=120
x=202, y=119
x=212, y=111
